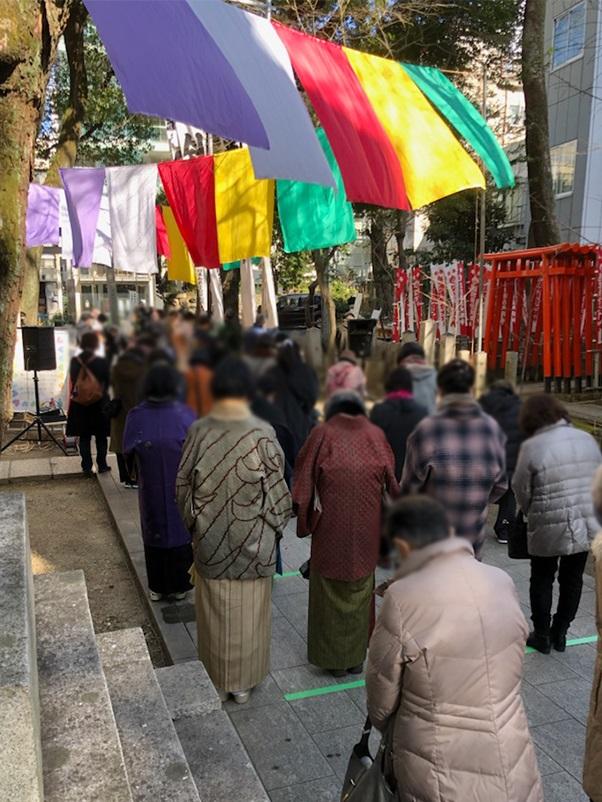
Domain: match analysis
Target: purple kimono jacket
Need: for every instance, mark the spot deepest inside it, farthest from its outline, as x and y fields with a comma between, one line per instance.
x=155, y=433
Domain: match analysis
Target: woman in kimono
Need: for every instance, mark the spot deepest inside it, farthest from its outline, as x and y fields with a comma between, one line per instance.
x=233, y=498
x=342, y=475
x=154, y=434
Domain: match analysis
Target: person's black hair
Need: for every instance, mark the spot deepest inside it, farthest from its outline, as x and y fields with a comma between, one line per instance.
x=232, y=379
x=410, y=349
x=456, y=376
x=399, y=379
x=161, y=355
x=201, y=356
x=89, y=341
x=102, y=318
x=162, y=382
x=147, y=340
x=541, y=410
x=344, y=403
x=267, y=383
x=419, y=520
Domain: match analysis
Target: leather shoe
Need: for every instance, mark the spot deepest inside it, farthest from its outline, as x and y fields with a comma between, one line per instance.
x=541, y=643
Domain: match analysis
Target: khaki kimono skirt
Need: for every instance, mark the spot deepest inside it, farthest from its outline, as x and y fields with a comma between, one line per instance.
x=234, y=628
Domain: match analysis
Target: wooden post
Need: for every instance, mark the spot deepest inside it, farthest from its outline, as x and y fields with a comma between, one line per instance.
x=447, y=349
x=511, y=367
x=466, y=356
x=427, y=339
x=481, y=371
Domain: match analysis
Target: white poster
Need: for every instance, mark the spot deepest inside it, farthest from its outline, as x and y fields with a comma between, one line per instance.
x=53, y=384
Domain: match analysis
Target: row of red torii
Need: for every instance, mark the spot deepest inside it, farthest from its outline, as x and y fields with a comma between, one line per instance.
x=544, y=304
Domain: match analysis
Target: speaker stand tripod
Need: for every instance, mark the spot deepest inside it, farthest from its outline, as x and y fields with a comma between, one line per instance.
x=37, y=421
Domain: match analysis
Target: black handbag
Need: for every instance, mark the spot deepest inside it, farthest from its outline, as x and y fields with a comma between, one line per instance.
x=370, y=779
x=517, y=539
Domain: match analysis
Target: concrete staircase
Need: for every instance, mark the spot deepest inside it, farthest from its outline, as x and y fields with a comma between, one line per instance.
x=88, y=716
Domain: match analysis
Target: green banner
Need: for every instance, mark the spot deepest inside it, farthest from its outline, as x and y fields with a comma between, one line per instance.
x=467, y=121
x=312, y=216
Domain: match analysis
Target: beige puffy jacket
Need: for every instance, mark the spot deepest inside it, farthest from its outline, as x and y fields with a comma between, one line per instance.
x=446, y=658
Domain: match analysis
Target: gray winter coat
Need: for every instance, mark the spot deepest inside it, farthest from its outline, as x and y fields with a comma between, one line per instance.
x=424, y=384
x=552, y=484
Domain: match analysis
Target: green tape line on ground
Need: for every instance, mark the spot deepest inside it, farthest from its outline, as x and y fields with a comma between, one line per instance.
x=360, y=683
x=344, y=686
x=286, y=574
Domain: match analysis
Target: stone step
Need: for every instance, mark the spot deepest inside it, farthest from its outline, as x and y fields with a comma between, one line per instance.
x=187, y=689
x=217, y=757
x=81, y=752
x=20, y=749
x=154, y=759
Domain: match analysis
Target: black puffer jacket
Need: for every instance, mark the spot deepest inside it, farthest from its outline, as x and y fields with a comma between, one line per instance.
x=504, y=405
x=398, y=417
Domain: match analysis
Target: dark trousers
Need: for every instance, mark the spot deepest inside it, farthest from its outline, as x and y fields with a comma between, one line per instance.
x=506, y=514
x=85, y=450
x=570, y=580
x=127, y=468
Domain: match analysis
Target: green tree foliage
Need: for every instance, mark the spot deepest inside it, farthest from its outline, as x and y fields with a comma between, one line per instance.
x=110, y=135
x=454, y=226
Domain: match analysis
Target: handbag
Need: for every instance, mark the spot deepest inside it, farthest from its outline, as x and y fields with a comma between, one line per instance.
x=517, y=538
x=112, y=408
x=368, y=779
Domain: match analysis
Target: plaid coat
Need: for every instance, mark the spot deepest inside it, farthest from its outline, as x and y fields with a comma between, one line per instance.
x=457, y=455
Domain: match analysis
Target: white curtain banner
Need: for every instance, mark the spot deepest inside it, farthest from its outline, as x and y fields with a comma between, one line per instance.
x=247, y=293
x=131, y=193
x=217, y=296
x=268, y=294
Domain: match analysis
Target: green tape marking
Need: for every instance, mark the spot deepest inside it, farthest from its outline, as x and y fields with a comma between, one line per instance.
x=344, y=686
x=360, y=683
x=286, y=574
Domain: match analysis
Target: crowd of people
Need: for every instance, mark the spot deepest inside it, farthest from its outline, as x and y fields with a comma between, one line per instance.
x=220, y=432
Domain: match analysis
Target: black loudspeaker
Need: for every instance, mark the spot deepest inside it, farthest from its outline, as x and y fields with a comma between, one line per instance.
x=38, y=348
x=360, y=336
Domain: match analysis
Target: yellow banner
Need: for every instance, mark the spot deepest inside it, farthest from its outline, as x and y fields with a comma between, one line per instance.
x=244, y=207
x=433, y=161
x=180, y=267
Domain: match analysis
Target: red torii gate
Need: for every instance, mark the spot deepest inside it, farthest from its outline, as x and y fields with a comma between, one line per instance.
x=549, y=299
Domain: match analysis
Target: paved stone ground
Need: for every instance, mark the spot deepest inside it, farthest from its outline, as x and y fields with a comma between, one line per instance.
x=300, y=748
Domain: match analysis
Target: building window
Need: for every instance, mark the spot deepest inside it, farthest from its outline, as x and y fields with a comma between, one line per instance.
x=569, y=36
x=563, y=167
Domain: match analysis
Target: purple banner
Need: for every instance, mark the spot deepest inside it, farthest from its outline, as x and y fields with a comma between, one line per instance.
x=83, y=192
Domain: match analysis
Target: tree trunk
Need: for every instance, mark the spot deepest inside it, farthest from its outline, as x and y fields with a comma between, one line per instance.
x=321, y=262
x=401, y=224
x=29, y=33
x=230, y=290
x=382, y=273
x=544, y=224
x=66, y=150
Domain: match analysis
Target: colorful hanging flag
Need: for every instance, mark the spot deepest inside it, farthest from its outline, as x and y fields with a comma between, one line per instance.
x=467, y=121
x=170, y=67
x=244, y=207
x=42, y=218
x=190, y=190
x=433, y=161
x=365, y=154
x=180, y=266
x=367, y=103
x=261, y=63
x=163, y=248
x=132, y=195
x=313, y=217
x=83, y=193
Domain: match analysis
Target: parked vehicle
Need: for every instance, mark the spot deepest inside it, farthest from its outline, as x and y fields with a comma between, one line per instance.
x=292, y=310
